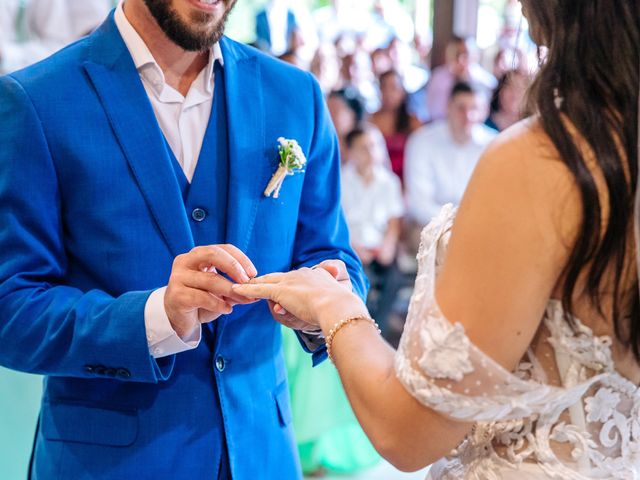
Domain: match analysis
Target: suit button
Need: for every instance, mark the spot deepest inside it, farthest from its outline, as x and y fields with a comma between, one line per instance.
x=89, y=368
x=99, y=370
x=220, y=364
x=123, y=373
x=110, y=372
x=198, y=214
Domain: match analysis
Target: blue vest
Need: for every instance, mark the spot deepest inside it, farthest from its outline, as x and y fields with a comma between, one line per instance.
x=205, y=198
x=205, y=201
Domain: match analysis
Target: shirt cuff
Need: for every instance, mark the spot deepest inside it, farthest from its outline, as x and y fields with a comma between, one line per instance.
x=312, y=339
x=162, y=339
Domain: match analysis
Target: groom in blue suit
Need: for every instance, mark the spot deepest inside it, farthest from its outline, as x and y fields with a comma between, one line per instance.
x=132, y=171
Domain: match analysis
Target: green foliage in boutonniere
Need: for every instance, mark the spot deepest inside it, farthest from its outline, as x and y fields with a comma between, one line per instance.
x=292, y=160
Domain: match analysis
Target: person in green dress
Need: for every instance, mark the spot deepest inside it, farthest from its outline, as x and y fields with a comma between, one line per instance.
x=327, y=431
x=19, y=405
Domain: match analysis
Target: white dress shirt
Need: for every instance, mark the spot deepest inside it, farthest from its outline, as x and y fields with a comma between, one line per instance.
x=437, y=169
x=368, y=208
x=184, y=121
x=31, y=30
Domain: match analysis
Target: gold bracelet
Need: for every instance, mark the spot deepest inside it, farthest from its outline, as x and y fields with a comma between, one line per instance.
x=340, y=325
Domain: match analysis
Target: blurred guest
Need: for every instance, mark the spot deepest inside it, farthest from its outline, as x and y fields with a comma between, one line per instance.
x=325, y=67
x=389, y=20
x=381, y=61
x=393, y=119
x=275, y=27
x=292, y=58
x=507, y=101
x=461, y=65
x=422, y=45
x=374, y=207
x=440, y=157
x=341, y=17
x=356, y=74
x=508, y=59
x=346, y=112
x=414, y=76
x=31, y=30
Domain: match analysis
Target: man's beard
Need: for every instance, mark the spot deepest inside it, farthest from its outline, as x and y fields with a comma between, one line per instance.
x=188, y=37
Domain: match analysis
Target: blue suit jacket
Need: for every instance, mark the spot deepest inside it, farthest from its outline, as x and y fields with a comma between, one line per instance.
x=91, y=218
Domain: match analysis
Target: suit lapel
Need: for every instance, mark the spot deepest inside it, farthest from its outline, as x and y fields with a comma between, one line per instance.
x=124, y=99
x=249, y=169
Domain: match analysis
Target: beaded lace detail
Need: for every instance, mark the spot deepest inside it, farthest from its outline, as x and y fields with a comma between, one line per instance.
x=585, y=426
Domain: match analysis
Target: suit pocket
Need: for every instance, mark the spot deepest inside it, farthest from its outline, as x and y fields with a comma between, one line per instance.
x=82, y=424
x=281, y=397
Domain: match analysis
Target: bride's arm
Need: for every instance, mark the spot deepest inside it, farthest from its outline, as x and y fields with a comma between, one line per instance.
x=507, y=251
x=401, y=429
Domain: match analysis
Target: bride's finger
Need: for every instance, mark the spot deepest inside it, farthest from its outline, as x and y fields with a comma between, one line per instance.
x=264, y=290
x=269, y=278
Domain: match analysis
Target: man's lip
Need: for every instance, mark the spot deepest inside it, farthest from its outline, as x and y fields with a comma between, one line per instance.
x=211, y=8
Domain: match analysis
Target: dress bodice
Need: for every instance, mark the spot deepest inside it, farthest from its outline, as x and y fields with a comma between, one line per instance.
x=564, y=410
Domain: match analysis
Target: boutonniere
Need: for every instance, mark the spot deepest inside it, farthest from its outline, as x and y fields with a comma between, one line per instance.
x=292, y=161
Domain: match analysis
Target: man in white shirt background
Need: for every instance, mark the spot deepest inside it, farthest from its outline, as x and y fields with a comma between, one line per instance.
x=440, y=157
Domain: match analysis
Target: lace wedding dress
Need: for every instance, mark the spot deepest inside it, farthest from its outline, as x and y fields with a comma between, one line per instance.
x=565, y=413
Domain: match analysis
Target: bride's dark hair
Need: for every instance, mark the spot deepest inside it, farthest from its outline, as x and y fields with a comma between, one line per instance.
x=590, y=81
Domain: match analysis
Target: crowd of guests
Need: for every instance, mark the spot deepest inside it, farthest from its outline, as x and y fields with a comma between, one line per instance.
x=410, y=136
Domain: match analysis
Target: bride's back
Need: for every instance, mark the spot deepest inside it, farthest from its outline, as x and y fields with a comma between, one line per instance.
x=542, y=168
x=541, y=261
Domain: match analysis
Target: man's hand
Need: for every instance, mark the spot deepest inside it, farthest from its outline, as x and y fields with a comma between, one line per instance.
x=338, y=270
x=198, y=293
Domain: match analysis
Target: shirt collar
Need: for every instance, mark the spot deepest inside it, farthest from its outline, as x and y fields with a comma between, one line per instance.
x=147, y=65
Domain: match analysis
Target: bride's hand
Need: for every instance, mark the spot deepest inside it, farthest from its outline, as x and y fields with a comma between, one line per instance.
x=312, y=295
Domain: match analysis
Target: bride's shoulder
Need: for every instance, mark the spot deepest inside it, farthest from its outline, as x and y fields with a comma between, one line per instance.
x=525, y=154
x=524, y=143
x=522, y=168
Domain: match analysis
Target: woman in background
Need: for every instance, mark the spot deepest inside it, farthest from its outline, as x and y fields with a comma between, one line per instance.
x=507, y=103
x=393, y=119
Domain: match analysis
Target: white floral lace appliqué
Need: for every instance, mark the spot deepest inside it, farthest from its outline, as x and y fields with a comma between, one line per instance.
x=446, y=351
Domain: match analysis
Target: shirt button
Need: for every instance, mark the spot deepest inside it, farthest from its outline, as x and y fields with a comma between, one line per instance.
x=198, y=214
x=220, y=364
x=158, y=351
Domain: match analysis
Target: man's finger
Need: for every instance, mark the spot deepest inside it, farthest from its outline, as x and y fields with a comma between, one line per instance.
x=279, y=309
x=239, y=255
x=206, y=301
x=220, y=259
x=214, y=284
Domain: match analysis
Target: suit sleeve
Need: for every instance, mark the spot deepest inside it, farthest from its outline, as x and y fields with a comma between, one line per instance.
x=47, y=327
x=322, y=230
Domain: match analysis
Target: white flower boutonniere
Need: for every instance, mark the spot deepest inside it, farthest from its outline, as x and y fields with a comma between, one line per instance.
x=292, y=160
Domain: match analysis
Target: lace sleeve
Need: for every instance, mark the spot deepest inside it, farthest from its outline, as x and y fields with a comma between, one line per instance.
x=445, y=371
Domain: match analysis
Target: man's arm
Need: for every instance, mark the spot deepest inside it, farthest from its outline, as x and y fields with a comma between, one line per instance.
x=47, y=327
